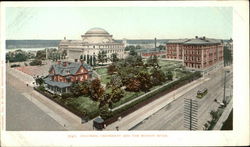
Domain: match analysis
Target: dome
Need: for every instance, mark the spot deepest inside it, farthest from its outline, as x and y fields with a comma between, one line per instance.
x=97, y=31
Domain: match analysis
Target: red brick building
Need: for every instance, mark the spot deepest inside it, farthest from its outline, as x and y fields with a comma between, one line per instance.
x=62, y=75
x=198, y=53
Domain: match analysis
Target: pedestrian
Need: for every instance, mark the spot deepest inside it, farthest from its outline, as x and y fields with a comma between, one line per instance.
x=117, y=128
x=27, y=84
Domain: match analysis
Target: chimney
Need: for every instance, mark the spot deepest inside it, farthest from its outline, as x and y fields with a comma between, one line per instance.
x=59, y=62
x=64, y=63
x=196, y=37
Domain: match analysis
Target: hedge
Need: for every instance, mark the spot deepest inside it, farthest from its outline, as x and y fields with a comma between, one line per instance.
x=129, y=108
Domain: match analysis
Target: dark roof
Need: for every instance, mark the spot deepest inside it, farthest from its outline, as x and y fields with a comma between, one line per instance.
x=70, y=69
x=48, y=81
x=177, y=40
x=202, y=41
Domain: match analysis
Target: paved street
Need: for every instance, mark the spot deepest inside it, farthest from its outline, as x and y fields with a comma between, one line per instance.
x=23, y=115
x=171, y=116
x=19, y=100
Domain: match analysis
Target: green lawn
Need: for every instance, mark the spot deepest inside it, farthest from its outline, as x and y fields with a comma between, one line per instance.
x=128, y=96
x=105, y=79
x=84, y=104
x=101, y=71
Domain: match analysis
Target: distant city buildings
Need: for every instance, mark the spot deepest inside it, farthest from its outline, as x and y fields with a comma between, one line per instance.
x=202, y=53
x=63, y=74
x=93, y=41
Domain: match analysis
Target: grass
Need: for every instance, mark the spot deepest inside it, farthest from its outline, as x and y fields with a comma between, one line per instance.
x=128, y=96
x=101, y=71
x=84, y=104
x=105, y=79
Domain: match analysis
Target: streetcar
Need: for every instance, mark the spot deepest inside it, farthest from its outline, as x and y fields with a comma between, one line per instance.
x=201, y=93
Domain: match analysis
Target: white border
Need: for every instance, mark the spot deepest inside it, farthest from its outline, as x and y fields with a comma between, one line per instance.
x=240, y=134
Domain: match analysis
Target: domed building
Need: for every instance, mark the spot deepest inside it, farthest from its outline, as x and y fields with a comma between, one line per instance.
x=93, y=41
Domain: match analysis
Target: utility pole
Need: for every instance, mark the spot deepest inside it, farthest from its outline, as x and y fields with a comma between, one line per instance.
x=190, y=114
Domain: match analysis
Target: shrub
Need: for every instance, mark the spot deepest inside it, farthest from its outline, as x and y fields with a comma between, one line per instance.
x=15, y=65
x=67, y=95
x=41, y=88
x=36, y=62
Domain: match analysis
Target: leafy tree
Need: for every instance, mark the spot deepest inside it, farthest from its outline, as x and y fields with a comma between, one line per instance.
x=39, y=81
x=153, y=61
x=228, y=57
x=102, y=57
x=41, y=54
x=85, y=88
x=111, y=69
x=128, y=48
x=116, y=94
x=115, y=82
x=105, y=112
x=145, y=81
x=36, y=62
x=157, y=76
x=137, y=47
x=75, y=89
x=132, y=52
x=96, y=90
x=161, y=47
x=133, y=84
x=114, y=57
x=170, y=75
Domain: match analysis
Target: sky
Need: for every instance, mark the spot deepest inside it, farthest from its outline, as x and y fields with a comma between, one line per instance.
x=121, y=22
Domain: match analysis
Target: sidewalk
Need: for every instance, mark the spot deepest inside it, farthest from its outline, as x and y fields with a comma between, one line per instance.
x=64, y=117
x=136, y=117
x=224, y=116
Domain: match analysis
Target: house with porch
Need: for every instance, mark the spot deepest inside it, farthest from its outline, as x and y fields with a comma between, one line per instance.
x=63, y=74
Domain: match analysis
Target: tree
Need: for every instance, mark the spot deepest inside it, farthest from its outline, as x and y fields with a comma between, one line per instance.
x=132, y=52
x=111, y=69
x=116, y=94
x=39, y=81
x=137, y=47
x=114, y=57
x=133, y=84
x=41, y=54
x=228, y=57
x=85, y=88
x=36, y=62
x=170, y=75
x=145, y=82
x=157, y=76
x=96, y=90
x=153, y=62
x=161, y=47
x=128, y=48
x=75, y=89
x=105, y=112
x=102, y=57
x=115, y=82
